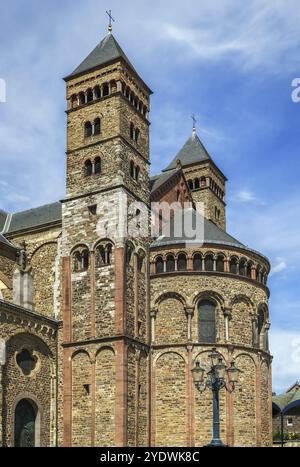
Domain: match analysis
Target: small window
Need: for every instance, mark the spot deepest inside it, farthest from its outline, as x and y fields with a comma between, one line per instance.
x=88, y=129
x=220, y=264
x=26, y=362
x=170, y=263
x=197, y=184
x=191, y=185
x=131, y=131
x=81, y=98
x=97, y=165
x=97, y=92
x=85, y=260
x=97, y=126
x=181, y=262
x=197, y=263
x=207, y=322
x=105, y=90
x=132, y=171
x=89, y=96
x=209, y=263
x=289, y=421
x=137, y=173
x=234, y=266
x=159, y=266
x=88, y=168
x=136, y=135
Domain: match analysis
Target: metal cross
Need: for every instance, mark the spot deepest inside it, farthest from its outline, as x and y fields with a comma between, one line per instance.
x=110, y=20
x=194, y=120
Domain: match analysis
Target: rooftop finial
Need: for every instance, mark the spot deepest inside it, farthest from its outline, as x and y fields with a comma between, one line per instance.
x=194, y=124
x=110, y=21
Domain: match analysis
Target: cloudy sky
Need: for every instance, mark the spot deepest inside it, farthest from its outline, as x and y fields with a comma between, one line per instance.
x=230, y=62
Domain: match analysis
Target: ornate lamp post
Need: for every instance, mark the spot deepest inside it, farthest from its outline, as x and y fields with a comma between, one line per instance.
x=218, y=377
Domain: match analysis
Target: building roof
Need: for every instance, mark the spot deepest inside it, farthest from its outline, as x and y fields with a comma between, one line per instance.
x=192, y=152
x=3, y=216
x=106, y=51
x=36, y=217
x=206, y=232
x=4, y=242
x=288, y=402
x=158, y=180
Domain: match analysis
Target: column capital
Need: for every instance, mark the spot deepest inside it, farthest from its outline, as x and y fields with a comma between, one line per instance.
x=189, y=311
x=153, y=313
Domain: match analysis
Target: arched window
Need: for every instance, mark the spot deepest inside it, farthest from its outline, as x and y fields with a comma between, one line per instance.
x=181, y=262
x=261, y=321
x=197, y=262
x=76, y=261
x=197, y=184
x=89, y=96
x=140, y=262
x=159, y=265
x=85, y=260
x=249, y=269
x=209, y=263
x=170, y=263
x=88, y=168
x=74, y=101
x=191, y=185
x=220, y=263
x=104, y=255
x=234, y=266
x=97, y=165
x=129, y=253
x=88, y=129
x=132, y=171
x=137, y=173
x=97, y=92
x=242, y=269
x=207, y=322
x=131, y=131
x=97, y=126
x=26, y=413
x=81, y=98
x=136, y=135
x=105, y=90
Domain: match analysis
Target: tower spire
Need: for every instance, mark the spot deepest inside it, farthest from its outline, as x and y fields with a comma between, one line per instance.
x=110, y=21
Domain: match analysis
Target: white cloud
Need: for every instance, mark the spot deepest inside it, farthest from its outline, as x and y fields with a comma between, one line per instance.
x=285, y=347
x=244, y=196
x=279, y=266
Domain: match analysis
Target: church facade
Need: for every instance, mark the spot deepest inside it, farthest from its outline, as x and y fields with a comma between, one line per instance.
x=100, y=328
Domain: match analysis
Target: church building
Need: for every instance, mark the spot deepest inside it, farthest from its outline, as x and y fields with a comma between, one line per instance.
x=99, y=332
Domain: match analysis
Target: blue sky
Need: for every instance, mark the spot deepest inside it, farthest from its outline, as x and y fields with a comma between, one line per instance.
x=230, y=62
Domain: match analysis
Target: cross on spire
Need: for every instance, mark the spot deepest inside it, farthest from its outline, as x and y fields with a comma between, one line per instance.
x=110, y=20
x=194, y=124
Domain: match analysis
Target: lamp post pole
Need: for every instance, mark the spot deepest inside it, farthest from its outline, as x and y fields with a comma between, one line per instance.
x=218, y=377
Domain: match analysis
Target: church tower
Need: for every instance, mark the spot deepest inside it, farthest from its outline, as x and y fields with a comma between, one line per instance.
x=205, y=180
x=105, y=273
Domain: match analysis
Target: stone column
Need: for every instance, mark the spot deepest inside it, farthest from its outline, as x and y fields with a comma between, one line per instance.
x=226, y=265
x=189, y=313
x=227, y=317
x=2, y=363
x=153, y=314
x=119, y=86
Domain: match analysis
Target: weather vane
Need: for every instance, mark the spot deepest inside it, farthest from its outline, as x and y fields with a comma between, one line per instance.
x=110, y=20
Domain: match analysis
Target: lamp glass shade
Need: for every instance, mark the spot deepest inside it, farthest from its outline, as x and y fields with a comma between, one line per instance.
x=214, y=357
x=198, y=373
x=220, y=369
x=233, y=373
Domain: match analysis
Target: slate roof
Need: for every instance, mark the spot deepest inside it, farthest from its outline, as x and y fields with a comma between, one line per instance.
x=36, y=217
x=283, y=401
x=158, y=180
x=207, y=232
x=192, y=152
x=106, y=51
x=3, y=216
x=6, y=243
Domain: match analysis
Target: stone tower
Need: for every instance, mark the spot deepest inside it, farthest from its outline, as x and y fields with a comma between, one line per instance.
x=105, y=273
x=205, y=180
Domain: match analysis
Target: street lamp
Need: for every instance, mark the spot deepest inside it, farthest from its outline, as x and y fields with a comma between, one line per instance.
x=215, y=380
